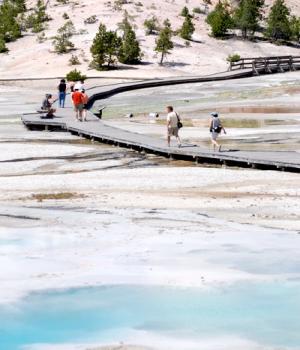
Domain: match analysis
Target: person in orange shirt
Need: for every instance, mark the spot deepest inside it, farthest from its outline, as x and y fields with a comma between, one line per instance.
x=85, y=99
x=77, y=98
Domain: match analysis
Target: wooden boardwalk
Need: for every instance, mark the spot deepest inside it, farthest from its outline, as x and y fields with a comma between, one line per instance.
x=96, y=130
x=264, y=65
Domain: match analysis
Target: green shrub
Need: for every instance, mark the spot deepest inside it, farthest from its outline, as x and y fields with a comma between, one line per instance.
x=41, y=38
x=199, y=10
x=75, y=75
x=74, y=60
x=91, y=20
x=233, y=58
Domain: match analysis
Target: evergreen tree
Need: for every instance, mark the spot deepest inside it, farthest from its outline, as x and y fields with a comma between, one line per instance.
x=40, y=11
x=105, y=48
x=220, y=20
x=36, y=19
x=3, y=47
x=295, y=28
x=62, y=42
x=151, y=25
x=185, y=12
x=187, y=29
x=10, y=29
x=130, y=52
x=247, y=16
x=278, y=23
x=164, y=42
x=167, y=24
x=20, y=5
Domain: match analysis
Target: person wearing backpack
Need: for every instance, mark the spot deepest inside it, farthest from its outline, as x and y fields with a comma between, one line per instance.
x=215, y=129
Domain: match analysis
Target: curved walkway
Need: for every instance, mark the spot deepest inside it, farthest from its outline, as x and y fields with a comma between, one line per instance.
x=97, y=130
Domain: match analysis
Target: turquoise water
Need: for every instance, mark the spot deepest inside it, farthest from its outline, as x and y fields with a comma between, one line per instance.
x=268, y=314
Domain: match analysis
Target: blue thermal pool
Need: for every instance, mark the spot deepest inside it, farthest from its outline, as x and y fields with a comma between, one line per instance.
x=268, y=314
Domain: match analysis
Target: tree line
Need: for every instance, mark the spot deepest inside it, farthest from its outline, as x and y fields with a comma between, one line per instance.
x=14, y=20
x=112, y=46
x=248, y=17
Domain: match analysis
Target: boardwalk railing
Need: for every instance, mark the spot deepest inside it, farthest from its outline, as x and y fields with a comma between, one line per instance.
x=267, y=64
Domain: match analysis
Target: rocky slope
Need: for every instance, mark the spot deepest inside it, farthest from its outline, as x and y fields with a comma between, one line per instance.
x=28, y=58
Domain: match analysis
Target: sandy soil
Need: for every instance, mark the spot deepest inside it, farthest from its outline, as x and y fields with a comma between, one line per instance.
x=204, y=56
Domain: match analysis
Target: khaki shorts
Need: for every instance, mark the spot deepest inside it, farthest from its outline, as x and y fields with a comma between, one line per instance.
x=173, y=131
x=214, y=135
x=79, y=107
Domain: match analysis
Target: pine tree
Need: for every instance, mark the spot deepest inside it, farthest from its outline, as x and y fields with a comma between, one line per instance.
x=10, y=29
x=164, y=42
x=20, y=5
x=151, y=25
x=220, y=20
x=105, y=48
x=40, y=11
x=62, y=42
x=247, y=16
x=3, y=47
x=36, y=19
x=130, y=52
x=278, y=23
x=185, y=12
x=187, y=29
x=295, y=28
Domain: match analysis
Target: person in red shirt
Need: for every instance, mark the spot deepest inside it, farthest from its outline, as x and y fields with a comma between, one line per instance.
x=85, y=99
x=78, y=102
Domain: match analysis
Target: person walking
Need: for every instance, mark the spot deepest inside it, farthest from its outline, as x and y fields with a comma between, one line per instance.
x=173, y=123
x=215, y=129
x=77, y=99
x=62, y=89
x=85, y=99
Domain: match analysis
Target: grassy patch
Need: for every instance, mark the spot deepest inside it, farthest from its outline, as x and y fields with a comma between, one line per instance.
x=40, y=197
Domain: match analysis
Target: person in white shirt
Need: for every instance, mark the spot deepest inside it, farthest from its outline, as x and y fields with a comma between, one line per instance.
x=172, y=125
x=215, y=129
x=79, y=85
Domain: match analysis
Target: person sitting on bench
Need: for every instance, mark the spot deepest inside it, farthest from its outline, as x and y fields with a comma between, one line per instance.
x=47, y=106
